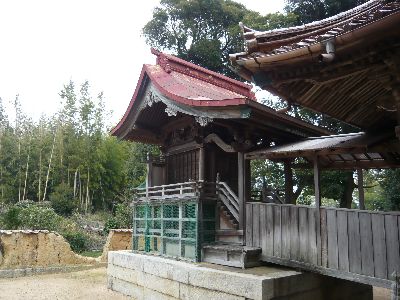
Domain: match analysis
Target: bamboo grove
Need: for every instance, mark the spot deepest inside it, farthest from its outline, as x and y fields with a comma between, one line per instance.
x=66, y=156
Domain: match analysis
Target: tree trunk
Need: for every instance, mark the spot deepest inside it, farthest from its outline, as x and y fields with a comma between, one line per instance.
x=49, y=167
x=347, y=196
x=27, y=167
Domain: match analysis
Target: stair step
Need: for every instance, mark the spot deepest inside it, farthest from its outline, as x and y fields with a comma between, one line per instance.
x=230, y=254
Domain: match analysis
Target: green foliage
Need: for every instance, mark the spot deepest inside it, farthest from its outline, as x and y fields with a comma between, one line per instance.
x=10, y=219
x=121, y=219
x=391, y=189
x=201, y=31
x=77, y=240
x=62, y=200
x=312, y=10
x=30, y=217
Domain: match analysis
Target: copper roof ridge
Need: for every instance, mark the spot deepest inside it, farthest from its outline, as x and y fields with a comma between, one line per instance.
x=172, y=63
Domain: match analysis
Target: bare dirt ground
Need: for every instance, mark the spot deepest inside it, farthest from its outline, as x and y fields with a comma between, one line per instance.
x=89, y=284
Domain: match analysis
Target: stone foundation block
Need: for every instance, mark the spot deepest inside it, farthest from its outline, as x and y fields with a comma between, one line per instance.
x=150, y=277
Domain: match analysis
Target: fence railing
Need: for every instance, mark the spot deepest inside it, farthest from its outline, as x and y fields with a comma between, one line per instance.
x=356, y=245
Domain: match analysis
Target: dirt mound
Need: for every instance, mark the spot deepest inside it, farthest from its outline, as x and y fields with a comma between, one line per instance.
x=37, y=248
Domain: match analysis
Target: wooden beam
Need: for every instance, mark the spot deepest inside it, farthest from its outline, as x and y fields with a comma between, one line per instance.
x=360, y=183
x=351, y=165
x=287, y=164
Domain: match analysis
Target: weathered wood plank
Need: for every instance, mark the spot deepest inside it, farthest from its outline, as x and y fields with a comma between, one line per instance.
x=303, y=234
x=285, y=232
x=249, y=227
x=343, y=241
x=277, y=231
x=256, y=225
x=392, y=244
x=367, y=250
x=263, y=229
x=312, y=236
x=324, y=239
x=333, y=253
x=354, y=242
x=270, y=231
x=294, y=233
x=379, y=242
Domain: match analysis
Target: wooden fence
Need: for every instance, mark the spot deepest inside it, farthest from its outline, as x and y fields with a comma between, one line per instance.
x=351, y=244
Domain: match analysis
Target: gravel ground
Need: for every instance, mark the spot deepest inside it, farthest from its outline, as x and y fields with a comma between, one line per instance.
x=89, y=284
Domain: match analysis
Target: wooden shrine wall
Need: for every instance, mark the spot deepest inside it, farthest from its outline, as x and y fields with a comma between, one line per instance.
x=183, y=166
x=351, y=244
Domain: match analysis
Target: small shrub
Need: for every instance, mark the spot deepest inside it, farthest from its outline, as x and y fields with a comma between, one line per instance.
x=122, y=218
x=77, y=240
x=30, y=216
x=10, y=219
x=62, y=200
x=36, y=217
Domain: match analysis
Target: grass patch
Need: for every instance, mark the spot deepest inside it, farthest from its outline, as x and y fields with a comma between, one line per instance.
x=95, y=253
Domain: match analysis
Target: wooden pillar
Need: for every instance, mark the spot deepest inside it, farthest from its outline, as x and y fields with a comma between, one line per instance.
x=317, y=182
x=241, y=189
x=201, y=163
x=360, y=179
x=287, y=164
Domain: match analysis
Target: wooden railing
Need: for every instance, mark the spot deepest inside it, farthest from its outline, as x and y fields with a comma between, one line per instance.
x=229, y=199
x=355, y=245
x=167, y=191
x=205, y=190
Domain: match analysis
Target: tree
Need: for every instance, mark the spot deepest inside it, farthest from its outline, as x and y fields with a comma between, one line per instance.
x=311, y=10
x=205, y=32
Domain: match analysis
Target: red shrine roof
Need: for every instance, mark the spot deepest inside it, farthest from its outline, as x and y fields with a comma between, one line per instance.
x=174, y=87
x=188, y=84
x=192, y=85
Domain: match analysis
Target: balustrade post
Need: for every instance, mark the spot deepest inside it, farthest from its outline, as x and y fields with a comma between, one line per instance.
x=241, y=189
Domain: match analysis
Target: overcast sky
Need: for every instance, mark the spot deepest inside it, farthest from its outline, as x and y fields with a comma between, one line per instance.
x=45, y=43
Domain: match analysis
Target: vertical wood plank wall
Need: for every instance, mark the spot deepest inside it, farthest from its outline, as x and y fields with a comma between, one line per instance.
x=352, y=244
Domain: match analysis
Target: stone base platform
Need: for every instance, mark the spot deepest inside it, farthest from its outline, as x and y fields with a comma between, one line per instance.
x=151, y=277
